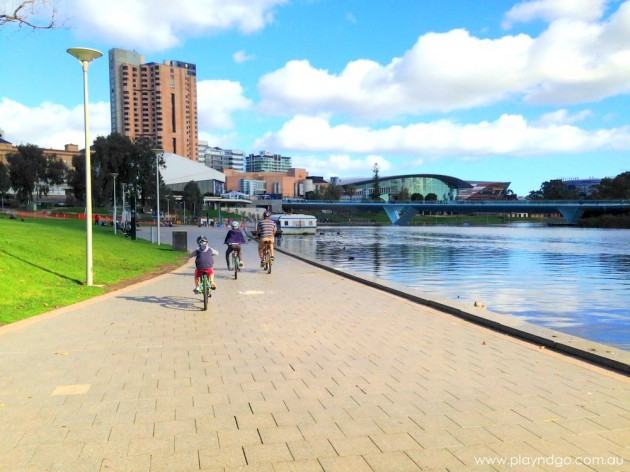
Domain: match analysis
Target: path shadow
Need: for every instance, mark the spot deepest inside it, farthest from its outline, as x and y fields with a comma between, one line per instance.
x=78, y=282
x=171, y=303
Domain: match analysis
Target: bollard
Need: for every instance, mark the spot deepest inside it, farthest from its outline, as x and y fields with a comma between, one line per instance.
x=180, y=241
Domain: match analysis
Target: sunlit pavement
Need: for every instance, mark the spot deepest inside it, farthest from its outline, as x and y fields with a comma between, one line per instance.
x=301, y=369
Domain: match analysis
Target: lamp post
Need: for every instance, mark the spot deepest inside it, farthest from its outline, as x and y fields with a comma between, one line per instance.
x=158, y=153
x=85, y=56
x=114, y=175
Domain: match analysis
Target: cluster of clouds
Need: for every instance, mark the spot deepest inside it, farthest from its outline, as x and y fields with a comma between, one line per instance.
x=369, y=109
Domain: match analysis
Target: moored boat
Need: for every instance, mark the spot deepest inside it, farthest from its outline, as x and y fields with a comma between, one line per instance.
x=295, y=223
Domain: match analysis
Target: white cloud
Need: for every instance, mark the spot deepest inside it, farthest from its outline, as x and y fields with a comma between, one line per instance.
x=509, y=135
x=341, y=164
x=241, y=56
x=50, y=125
x=226, y=140
x=573, y=61
x=154, y=25
x=560, y=117
x=551, y=10
x=217, y=100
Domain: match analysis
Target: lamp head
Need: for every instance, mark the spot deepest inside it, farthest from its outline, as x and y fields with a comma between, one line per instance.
x=84, y=54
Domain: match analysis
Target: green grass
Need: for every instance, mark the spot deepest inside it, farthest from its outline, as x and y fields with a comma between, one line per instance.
x=42, y=264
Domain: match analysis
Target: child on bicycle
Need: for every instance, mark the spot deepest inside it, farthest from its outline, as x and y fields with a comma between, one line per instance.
x=204, y=262
x=234, y=238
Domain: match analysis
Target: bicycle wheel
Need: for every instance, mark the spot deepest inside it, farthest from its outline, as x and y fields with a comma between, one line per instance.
x=235, y=262
x=205, y=288
x=268, y=261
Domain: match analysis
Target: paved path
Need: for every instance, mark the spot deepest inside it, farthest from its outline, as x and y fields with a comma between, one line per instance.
x=299, y=370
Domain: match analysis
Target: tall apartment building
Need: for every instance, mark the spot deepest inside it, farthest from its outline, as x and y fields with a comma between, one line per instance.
x=265, y=161
x=220, y=159
x=154, y=101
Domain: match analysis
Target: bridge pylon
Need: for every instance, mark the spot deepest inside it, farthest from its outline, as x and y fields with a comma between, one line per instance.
x=400, y=215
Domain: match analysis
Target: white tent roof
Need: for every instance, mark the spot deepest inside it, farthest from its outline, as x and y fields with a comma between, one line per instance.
x=181, y=170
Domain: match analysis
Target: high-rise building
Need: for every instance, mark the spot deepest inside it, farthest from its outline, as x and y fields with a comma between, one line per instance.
x=220, y=159
x=154, y=101
x=266, y=161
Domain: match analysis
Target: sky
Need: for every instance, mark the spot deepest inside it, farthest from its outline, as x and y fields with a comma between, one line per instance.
x=496, y=90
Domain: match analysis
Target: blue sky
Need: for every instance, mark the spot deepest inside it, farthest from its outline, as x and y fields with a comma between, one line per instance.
x=503, y=90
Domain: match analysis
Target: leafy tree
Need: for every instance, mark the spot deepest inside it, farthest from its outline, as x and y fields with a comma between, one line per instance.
x=416, y=197
x=54, y=174
x=24, y=13
x=314, y=195
x=5, y=180
x=535, y=195
x=332, y=192
x=553, y=190
x=192, y=194
x=76, y=177
x=510, y=195
x=557, y=190
x=376, y=189
x=431, y=197
x=618, y=187
x=350, y=190
x=27, y=167
x=134, y=162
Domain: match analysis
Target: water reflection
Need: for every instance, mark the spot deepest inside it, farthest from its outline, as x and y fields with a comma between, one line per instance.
x=573, y=280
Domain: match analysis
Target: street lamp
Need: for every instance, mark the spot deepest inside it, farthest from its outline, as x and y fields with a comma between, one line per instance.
x=158, y=153
x=114, y=175
x=85, y=56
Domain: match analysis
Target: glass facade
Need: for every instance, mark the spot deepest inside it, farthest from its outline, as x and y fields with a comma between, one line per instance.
x=445, y=188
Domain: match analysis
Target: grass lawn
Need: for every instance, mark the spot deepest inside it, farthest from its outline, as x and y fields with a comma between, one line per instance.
x=42, y=264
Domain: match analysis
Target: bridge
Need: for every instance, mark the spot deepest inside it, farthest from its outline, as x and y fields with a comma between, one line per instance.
x=402, y=213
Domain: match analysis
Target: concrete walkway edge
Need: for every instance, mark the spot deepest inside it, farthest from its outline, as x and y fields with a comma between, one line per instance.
x=591, y=351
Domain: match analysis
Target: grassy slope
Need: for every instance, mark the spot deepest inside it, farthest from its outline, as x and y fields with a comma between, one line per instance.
x=42, y=264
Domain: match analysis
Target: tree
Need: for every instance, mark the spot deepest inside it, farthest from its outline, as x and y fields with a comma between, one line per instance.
x=350, y=190
x=416, y=197
x=553, y=190
x=619, y=187
x=27, y=167
x=26, y=13
x=54, y=174
x=431, y=197
x=376, y=189
x=5, y=180
x=134, y=162
x=76, y=177
x=535, y=195
x=557, y=190
x=332, y=192
x=510, y=195
x=192, y=194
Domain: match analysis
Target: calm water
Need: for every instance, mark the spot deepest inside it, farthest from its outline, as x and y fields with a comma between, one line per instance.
x=569, y=279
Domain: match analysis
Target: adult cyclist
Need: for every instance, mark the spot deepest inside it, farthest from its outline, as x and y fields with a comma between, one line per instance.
x=266, y=231
x=234, y=238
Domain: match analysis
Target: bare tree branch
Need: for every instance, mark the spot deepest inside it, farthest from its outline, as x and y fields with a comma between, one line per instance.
x=23, y=17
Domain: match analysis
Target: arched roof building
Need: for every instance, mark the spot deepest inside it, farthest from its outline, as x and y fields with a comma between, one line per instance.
x=446, y=188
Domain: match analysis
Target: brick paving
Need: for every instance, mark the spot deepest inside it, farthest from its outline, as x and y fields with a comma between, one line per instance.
x=299, y=370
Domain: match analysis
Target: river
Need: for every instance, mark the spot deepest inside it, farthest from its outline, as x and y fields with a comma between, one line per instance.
x=572, y=280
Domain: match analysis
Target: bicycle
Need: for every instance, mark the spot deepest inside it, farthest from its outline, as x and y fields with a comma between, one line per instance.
x=235, y=257
x=267, y=260
x=204, y=285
